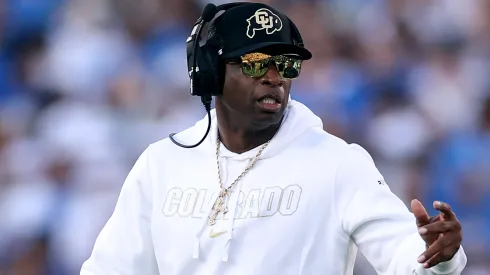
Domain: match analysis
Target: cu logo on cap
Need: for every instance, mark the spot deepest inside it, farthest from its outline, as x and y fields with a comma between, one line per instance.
x=263, y=19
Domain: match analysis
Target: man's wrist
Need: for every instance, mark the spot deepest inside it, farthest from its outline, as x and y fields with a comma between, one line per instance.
x=444, y=267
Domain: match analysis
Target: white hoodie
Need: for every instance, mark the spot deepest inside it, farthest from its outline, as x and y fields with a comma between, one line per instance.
x=306, y=207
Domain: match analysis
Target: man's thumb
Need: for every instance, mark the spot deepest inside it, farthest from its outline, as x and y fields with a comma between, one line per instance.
x=420, y=213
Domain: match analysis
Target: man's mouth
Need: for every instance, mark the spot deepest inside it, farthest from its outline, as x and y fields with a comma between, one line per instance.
x=268, y=100
x=269, y=103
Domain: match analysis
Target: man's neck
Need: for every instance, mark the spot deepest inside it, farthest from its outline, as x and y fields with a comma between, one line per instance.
x=239, y=140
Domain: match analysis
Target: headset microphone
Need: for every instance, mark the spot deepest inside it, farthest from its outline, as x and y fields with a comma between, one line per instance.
x=209, y=12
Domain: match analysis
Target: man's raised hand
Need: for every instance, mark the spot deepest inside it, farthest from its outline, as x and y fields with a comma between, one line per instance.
x=441, y=233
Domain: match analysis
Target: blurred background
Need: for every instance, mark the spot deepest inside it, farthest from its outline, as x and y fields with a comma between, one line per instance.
x=86, y=85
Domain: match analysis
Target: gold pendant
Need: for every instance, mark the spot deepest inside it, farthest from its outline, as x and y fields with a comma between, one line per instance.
x=219, y=206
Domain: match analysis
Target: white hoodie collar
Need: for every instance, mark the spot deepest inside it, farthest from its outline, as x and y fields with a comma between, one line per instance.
x=298, y=119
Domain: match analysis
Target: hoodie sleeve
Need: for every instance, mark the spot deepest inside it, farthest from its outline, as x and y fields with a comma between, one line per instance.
x=124, y=246
x=379, y=223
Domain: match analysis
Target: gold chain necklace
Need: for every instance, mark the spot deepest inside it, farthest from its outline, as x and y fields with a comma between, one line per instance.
x=219, y=206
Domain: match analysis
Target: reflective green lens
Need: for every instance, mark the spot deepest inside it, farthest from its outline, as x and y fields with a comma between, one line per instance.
x=287, y=67
x=255, y=68
x=257, y=65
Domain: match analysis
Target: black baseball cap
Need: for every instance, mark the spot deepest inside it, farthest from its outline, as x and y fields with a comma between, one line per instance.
x=253, y=27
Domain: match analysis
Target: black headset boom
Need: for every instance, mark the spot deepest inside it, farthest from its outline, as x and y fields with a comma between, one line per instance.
x=203, y=62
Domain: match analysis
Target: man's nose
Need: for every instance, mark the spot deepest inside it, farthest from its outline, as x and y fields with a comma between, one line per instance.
x=272, y=78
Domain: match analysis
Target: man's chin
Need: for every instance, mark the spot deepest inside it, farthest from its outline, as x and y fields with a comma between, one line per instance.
x=264, y=120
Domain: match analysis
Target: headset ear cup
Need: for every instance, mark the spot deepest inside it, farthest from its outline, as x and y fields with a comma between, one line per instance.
x=213, y=72
x=199, y=77
x=209, y=76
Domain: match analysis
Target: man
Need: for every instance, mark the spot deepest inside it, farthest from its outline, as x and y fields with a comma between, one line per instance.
x=268, y=191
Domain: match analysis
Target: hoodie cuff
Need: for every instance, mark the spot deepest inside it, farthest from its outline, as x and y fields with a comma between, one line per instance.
x=456, y=263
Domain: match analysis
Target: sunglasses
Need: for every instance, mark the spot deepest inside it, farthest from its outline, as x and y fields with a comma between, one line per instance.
x=257, y=65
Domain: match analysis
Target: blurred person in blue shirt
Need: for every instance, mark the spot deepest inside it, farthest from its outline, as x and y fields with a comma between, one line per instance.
x=460, y=174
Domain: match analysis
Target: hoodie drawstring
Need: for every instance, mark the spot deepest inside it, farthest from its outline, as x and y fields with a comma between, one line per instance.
x=199, y=233
x=231, y=226
x=204, y=224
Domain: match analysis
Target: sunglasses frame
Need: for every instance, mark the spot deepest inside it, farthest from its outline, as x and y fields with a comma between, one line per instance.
x=253, y=58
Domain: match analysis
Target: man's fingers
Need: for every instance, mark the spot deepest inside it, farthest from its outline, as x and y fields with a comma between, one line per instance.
x=434, y=260
x=438, y=246
x=437, y=227
x=420, y=213
x=435, y=218
x=445, y=209
x=435, y=248
x=442, y=233
x=446, y=253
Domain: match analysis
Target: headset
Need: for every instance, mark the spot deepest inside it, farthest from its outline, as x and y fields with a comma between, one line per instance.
x=203, y=63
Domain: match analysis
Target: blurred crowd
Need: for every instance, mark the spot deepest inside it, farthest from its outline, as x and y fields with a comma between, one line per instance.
x=86, y=85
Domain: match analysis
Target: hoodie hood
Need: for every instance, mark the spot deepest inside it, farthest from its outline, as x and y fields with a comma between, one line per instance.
x=297, y=120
